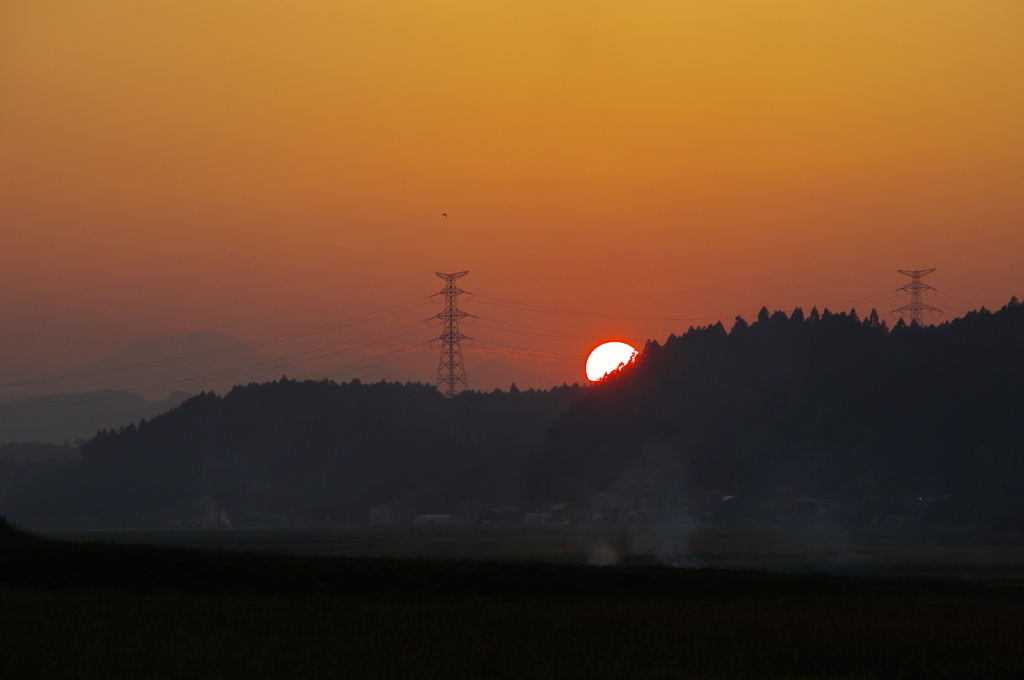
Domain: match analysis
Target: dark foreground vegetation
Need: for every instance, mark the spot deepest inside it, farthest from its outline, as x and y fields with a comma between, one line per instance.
x=812, y=418
x=284, y=452
x=106, y=611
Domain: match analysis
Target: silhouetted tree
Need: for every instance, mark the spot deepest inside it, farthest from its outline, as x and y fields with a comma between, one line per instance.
x=831, y=405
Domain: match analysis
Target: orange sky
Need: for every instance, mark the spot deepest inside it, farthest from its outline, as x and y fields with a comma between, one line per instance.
x=259, y=167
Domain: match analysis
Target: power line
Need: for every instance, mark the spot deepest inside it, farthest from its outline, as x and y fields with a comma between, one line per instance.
x=942, y=310
x=916, y=308
x=315, y=330
x=693, y=291
x=157, y=410
x=542, y=353
x=336, y=371
x=955, y=307
x=527, y=307
x=450, y=370
x=1001, y=290
x=543, y=335
x=970, y=304
x=889, y=296
x=324, y=352
x=236, y=372
x=582, y=336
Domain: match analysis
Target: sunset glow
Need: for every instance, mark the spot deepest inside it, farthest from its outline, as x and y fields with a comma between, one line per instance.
x=607, y=358
x=255, y=169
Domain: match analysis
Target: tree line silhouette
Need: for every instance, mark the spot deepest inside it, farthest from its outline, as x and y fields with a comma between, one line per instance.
x=303, y=451
x=827, y=406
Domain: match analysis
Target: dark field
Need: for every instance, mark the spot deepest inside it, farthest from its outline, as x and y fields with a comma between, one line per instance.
x=109, y=611
x=953, y=551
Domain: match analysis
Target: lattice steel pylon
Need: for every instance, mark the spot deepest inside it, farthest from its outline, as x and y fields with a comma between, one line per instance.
x=450, y=371
x=916, y=308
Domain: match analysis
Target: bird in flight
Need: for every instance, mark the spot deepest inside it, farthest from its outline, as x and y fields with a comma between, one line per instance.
x=444, y=214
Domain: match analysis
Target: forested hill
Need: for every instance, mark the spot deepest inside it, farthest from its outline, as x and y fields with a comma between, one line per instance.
x=824, y=406
x=306, y=451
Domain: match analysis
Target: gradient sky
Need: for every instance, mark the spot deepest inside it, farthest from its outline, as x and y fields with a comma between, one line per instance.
x=259, y=167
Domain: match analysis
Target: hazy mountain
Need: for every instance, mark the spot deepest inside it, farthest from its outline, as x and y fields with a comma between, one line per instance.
x=190, y=362
x=10, y=375
x=59, y=418
x=836, y=418
x=20, y=385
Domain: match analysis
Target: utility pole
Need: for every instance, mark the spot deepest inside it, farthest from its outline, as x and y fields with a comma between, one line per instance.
x=450, y=371
x=916, y=308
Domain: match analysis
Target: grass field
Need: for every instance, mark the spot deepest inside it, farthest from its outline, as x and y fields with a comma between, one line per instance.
x=85, y=610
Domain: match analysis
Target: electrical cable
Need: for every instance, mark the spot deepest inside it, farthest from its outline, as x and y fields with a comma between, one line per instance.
x=814, y=284
x=335, y=372
x=999, y=290
x=238, y=371
x=324, y=328
x=158, y=410
x=955, y=308
x=155, y=411
x=320, y=353
x=970, y=304
x=544, y=335
x=891, y=295
x=537, y=328
x=522, y=307
x=526, y=307
x=537, y=352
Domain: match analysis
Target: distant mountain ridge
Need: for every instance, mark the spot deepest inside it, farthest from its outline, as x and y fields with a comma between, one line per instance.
x=826, y=419
x=157, y=367
x=208, y=361
x=59, y=418
x=189, y=362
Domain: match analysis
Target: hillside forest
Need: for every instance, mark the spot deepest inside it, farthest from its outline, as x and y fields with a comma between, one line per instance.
x=815, y=418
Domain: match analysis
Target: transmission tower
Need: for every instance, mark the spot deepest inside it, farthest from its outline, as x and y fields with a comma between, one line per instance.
x=450, y=372
x=916, y=308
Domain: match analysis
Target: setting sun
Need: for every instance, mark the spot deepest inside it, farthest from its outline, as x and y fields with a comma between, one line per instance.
x=608, y=357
